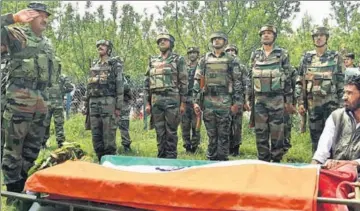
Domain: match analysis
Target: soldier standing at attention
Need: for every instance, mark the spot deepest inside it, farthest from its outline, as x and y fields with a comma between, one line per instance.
x=220, y=97
x=191, y=137
x=104, y=99
x=166, y=87
x=272, y=95
x=320, y=85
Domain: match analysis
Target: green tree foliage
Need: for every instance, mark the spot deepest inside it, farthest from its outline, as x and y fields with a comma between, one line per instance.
x=191, y=22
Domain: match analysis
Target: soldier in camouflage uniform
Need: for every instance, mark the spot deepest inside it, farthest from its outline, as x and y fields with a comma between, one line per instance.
x=124, y=122
x=320, y=84
x=270, y=90
x=221, y=96
x=30, y=68
x=349, y=60
x=236, y=122
x=60, y=86
x=104, y=99
x=166, y=88
x=191, y=137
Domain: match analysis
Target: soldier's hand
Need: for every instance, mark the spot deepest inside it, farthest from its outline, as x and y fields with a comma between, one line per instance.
x=25, y=15
x=182, y=108
x=148, y=109
x=234, y=109
x=84, y=111
x=197, y=109
x=247, y=106
x=289, y=108
x=117, y=112
x=301, y=110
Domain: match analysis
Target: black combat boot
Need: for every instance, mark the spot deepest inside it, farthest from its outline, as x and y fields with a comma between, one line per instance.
x=127, y=149
x=235, y=151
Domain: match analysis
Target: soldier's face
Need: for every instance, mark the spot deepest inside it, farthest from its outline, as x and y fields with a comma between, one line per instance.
x=40, y=22
x=348, y=62
x=193, y=56
x=319, y=40
x=351, y=98
x=232, y=52
x=102, y=49
x=267, y=37
x=218, y=42
x=164, y=45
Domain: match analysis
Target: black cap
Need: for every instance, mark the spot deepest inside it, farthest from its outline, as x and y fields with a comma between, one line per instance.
x=39, y=7
x=350, y=55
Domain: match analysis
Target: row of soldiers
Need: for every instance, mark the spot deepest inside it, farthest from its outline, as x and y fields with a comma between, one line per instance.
x=219, y=88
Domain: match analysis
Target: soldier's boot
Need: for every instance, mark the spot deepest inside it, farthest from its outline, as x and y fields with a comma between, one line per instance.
x=16, y=187
x=188, y=148
x=60, y=144
x=193, y=149
x=127, y=148
x=235, y=151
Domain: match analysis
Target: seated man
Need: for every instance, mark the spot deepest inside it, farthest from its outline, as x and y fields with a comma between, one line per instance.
x=340, y=140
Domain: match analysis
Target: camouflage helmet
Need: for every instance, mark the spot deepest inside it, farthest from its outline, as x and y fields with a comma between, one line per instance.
x=219, y=34
x=39, y=7
x=165, y=36
x=232, y=46
x=320, y=30
x=268, y=27
x=107, y=43
x=193, y=49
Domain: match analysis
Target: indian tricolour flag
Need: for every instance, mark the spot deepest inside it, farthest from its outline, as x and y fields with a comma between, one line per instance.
x=169, y=184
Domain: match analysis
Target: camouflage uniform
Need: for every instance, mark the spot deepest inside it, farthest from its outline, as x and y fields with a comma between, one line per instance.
x=4, y=61
x=105, y=93
x=61, y=85
x=236, y=120
x=30, y=69
x=270, y=89
x=124, y=122
x=288, y=117
x=166, y=87
x=191, y=137
x=324, y=85
x=223, y=88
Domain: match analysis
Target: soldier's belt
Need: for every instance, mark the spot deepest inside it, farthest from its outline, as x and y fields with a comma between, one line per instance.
x=214, y=91
x=31, y=84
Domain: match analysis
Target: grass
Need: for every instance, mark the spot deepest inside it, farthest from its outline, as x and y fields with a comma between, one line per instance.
x=144, y=144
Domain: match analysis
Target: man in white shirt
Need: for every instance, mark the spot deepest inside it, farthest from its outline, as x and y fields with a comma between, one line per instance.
x=340, y=140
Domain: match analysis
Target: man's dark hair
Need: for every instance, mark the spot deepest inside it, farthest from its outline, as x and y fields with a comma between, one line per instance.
x=354, y=80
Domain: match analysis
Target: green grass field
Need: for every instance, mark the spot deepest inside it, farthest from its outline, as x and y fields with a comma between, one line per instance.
x=144, y=144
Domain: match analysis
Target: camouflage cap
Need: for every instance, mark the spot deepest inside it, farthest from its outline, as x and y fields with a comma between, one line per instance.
x=165, y=36
x=320, y=30
x=268, y=27
x=219, y=34
x=232, y=46
x=350, y=55
x=193, y=49
x=39, y=7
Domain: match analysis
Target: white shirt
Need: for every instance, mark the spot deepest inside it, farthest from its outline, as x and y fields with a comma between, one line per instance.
x=326, y=141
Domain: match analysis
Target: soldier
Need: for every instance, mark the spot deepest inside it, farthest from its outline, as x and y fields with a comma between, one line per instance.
x=191, y=137
x=236, y=122
x=218, y=89
x=349, y=60
x=29, y=71
x=104, y=99
x=320, y=84
x=60, y=86
x=271, y=94
x=166, y=92
x=124, y=122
